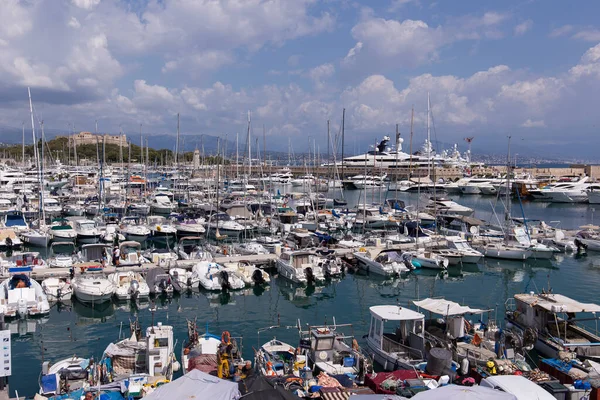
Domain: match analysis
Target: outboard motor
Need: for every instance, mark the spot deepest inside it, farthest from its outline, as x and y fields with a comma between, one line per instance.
x=162, y=285
x=310, y=276
x=257, y=277
x=225, y=285
x=9, y=242
x=134, y=289
x=407, y=260
x=189, y=281
x=581, y=247
x=58, y=294
x=22, y=307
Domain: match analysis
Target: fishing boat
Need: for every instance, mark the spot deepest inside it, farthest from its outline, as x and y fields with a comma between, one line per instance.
x=277, y=358
x=300, y=266
x=552, y=319
x=396, y=337
x=210, y=353
x=22, y=296
x=93, y=287
x=385, y=262
x=129, y=285
x=329, y=350
x=57, y=289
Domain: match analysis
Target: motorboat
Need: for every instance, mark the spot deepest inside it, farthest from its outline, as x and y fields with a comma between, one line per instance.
x=130, y=254
x=213, y=276
x=187, y=280
x=57, y=289
x=190, y=248
x=428, y=259
x=56, y=378
x=190, y=227
x=132, y=229
x=250, y=274
x=563, y=191
x=129, y=285
x=588, y=238
x=22, y=296
x=251, y=248
x=551, y=321
x=330, y=264
x=162, y=204
x=62, y=231
x=396, y=337
x=225, y=225
x=160, y=283
x=160, y=227
x=62, y=255
x=139, y=208
x=9, y=239
x=87, y=231
x=384, y=262
x=463, y=248
x=300, y=266
x=92, y=287
x=270, y=243
x=111, y=233
x=15, y=220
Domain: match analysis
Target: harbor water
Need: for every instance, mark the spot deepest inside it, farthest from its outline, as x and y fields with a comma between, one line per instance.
x=78, y=329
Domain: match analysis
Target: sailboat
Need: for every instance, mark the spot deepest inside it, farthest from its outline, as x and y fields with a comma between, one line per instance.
x=505, y=250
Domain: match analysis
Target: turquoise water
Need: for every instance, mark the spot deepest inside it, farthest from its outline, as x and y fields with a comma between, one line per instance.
x=86, y=331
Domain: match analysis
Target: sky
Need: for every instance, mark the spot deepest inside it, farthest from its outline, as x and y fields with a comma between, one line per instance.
x=528, y=69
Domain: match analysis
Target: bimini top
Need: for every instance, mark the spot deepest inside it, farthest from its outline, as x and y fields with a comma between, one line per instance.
x=446, y=307
x=556, y=303
x=395, y=313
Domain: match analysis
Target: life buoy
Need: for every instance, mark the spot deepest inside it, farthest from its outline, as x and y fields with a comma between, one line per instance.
x=226, y=337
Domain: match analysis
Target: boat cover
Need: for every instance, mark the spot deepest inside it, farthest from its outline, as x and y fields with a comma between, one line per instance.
x=446, y=307
x=455, y=392
x=260, y=388
x=196, y=385
x=557, y=303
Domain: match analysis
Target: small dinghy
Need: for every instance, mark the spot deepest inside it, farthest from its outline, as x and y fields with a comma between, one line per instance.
x=57, y=289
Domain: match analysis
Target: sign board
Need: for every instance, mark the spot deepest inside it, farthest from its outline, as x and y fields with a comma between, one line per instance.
x=5, y=354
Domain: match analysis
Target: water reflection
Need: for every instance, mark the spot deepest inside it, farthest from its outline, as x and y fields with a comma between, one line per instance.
x=89, y=313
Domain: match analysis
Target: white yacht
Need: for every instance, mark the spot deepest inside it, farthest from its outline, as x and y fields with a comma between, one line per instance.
x=250, y=274
x=61, y=230
x=447, y=206
x=93, y=288
x=162, y=204
x=300, y=266
x=87, y=231
x=133, y=229
x=564, y=191
x=225, y=225
x=62, y=255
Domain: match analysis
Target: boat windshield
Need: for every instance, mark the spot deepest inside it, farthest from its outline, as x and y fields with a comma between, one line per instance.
x=322, y=344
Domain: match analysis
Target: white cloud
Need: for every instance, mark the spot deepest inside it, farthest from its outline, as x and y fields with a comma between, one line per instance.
x=387, y=43
x=523, y=27
x=561, y=31
x=15, y=19
x=321, y=73
x=86, y=4
x=74, y=23
x=589, y=35
x=533, y=124
x=398, y=4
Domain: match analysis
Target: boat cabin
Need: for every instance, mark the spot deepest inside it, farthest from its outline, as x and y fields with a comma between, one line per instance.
x=554, y=314
x=398, y=330
x=159, y=355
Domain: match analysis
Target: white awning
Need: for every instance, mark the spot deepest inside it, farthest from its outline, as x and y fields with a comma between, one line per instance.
x=446, y=307
x=395, y=313
x=556, y=303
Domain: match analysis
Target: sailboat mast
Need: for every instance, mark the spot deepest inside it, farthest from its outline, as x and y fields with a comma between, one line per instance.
x=249, y=148
x=412, y=120
x=428, y=136
x=141, y=147
x=343, y=135
x=508, y=205
x=177, y=142
x=23, y=147
x=42, y=212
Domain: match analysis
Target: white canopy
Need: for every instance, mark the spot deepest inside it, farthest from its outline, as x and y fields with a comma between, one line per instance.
x=557, y=303
x=455, y=392
x=196, y=385
x=446, y=307
x=395, y=313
